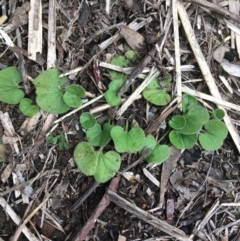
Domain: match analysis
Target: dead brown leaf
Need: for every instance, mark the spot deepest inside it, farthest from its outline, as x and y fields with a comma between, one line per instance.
x=134, y=39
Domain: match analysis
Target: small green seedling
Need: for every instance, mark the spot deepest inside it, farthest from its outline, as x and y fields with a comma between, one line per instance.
x=158, y=153
x=27, y=108
x=94, y=163
x=87, y=120
x=195, y=125
x=49, y=90
x=10, y=92
x=127, y=141
x=73, y=95
x=52, y=96
x=59, y=140
x=118, y=79
x=98, y=136
x=156, y=94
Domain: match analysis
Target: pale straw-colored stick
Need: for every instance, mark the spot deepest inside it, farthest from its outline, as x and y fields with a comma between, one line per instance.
x=217, y=101
x=178, y=78
x=153, y=73
x=79, y=108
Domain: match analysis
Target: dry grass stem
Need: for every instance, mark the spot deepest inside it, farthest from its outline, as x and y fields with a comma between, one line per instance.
x=153, y=74
x=217, y=101
x=79, y=108
x=178, y=78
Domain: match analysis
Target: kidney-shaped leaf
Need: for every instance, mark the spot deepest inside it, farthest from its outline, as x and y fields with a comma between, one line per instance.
x=181, y=141
x=196, y=116
x=73, y=95
x=127, y=141
x=177, y=122
x=98, y=136
x=87, y=120
x=108, y=165
x=155, y=94
x=159, y=154
x=85, y=158
x=49, y=94
x=102, y=166
x=9, y=90
x=216, y=132
x=27, y=108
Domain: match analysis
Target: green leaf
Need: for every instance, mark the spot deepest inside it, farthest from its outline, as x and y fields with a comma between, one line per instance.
x=108, y=165
x=52, y=139
x=127, y=141
x=218, y=114
x=111, y=95
x=27, y=108
x=73, y=95
x=118, y=79
x=85, y=158
x=102, y=166
x=159, y=154
x=187, y=100
x=177, y=122
x=181, y=141
x=10, y=78
x=87, y=120
x=120, y=61
x=216, y=132
x=155, y=94
x=196, y=116
x=149, y=143
x=49, y=94
x=98, y=136
x=131, y=56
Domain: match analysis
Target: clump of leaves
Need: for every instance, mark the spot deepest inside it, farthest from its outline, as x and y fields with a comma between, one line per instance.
x=154, y=93
x=118, y=79
x=194, y=124
x=103, y=166
x=158, y=94
x=52, y=96
x=10, y=92
x=59, y=140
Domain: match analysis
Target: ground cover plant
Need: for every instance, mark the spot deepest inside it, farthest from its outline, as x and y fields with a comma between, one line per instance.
x=195, y=124
x=156, y=191
x=52, y=93
x=54, y=97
